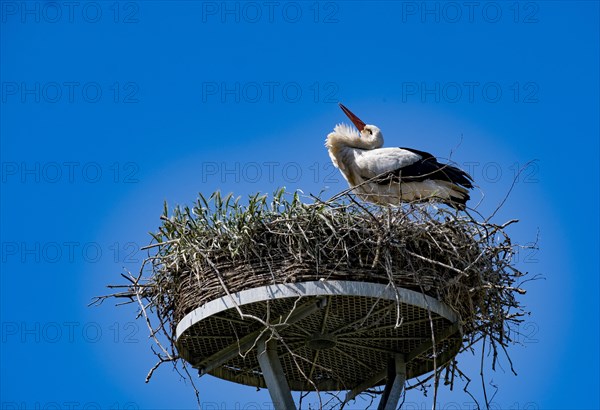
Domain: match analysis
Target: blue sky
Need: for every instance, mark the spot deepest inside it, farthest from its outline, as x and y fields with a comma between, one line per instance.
x=110, y=108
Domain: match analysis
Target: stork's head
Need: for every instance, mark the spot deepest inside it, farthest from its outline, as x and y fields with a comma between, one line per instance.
x=370, y=135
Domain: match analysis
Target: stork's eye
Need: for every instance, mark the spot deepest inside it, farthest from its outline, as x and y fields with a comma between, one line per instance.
x=370, y=132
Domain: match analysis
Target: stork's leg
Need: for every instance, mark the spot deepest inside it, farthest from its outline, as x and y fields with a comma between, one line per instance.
x=394, y=385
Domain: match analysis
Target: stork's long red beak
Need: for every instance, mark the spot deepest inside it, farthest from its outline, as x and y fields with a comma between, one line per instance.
x=355, y=120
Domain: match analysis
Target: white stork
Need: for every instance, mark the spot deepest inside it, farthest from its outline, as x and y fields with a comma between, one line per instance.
x=392, y=175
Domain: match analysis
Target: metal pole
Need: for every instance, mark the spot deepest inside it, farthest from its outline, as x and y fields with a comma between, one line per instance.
x=395, y=384
x=273, y=374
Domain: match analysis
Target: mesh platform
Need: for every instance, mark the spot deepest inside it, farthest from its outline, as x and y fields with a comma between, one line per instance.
x=338, y=334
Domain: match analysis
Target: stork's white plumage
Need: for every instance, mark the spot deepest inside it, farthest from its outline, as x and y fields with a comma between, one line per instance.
x=392, y=175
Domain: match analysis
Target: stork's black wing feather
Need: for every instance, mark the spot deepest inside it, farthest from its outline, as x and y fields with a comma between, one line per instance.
x=428, y=168
x=423, y=154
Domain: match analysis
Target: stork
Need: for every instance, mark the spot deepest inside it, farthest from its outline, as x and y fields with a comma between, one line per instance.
x=392, y=175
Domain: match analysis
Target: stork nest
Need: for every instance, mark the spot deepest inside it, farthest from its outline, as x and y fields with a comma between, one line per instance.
x=222, y=246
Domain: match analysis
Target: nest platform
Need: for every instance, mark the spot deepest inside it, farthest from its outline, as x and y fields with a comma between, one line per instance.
x=330, y=335
x=329, y=295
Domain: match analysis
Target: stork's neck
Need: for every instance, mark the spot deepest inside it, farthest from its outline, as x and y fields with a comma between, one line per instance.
x=340, y=141
x=344, y=136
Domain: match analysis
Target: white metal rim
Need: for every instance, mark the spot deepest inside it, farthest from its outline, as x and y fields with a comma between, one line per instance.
x=314, y=288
